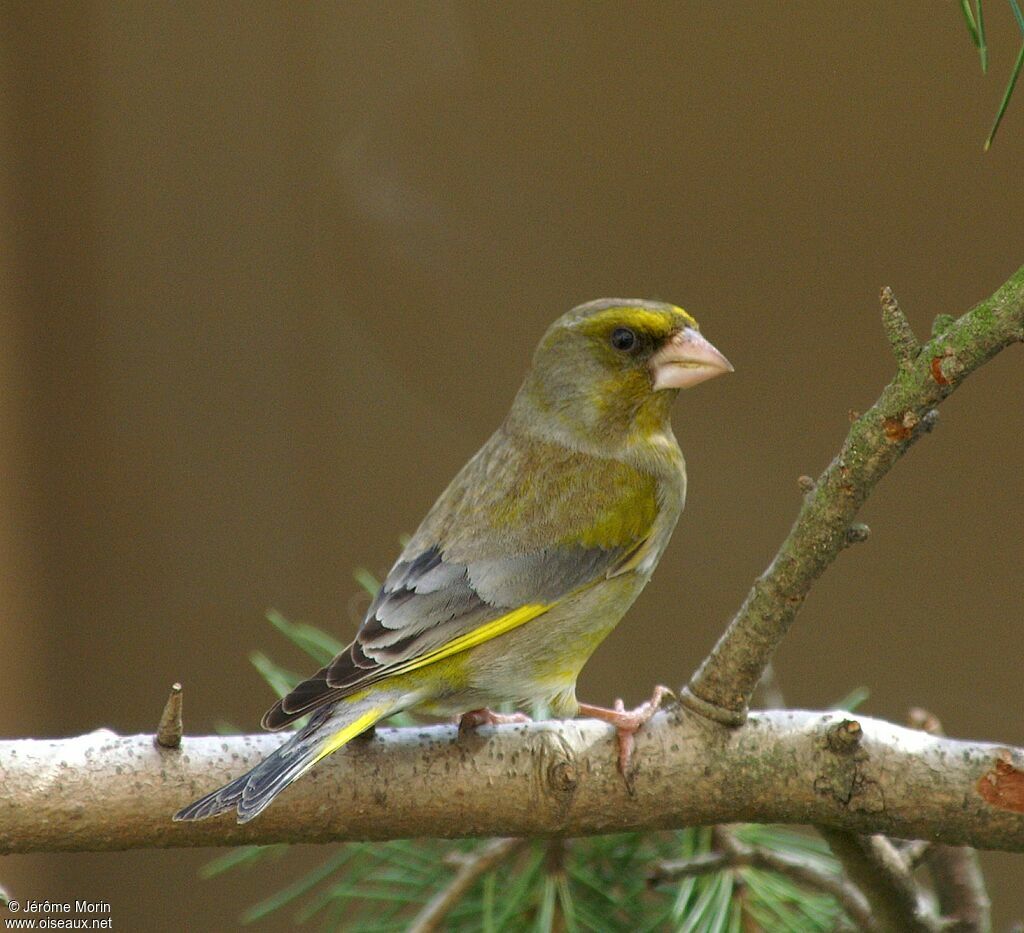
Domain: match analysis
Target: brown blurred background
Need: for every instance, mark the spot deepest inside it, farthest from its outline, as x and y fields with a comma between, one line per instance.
x=272, y=272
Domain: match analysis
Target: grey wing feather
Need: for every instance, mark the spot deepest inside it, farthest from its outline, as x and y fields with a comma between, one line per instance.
x=427, y=601
x=461, y=570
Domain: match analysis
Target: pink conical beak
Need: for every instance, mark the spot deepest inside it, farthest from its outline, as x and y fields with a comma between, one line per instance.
x=685, y=360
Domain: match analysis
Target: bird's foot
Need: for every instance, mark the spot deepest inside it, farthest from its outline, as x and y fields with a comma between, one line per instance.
x=627, y=723
x=473, y=718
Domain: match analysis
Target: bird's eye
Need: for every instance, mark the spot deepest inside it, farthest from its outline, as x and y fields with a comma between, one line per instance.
x=623, y=338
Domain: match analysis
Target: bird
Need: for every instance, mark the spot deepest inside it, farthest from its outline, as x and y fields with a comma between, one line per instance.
x=526, y=562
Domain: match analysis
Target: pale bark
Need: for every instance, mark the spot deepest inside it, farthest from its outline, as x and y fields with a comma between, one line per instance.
x=102, y=791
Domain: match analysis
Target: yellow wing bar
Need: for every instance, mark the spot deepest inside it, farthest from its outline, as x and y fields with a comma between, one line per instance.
x=478, y=636
x=349, y=732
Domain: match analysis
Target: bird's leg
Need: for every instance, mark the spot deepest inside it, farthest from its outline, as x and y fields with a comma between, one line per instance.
x=627, y=722
x=473, y=718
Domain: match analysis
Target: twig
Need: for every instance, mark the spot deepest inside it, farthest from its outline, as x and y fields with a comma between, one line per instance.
x=898, y=329
x=914, y=851
x=722, y=687
x=877, y=869
x=849, y=898
x=736, y=854
x=960, y=887
x=488, y=857
x=888, y=862
x=703, y=863
x=955, y=870
x=169, y=732
x=554, y=866
x=920, y=718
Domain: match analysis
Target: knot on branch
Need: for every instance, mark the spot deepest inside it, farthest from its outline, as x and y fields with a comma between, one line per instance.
x=562, y=777
x=843, y=775
x=557, y=770
x=1002, y=786
x=900, y=428
x=857, y=533
x=844, y=737
x=946, y=368
x=909, y=425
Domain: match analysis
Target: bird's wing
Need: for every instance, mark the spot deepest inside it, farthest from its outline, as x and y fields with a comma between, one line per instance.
x=503, y=544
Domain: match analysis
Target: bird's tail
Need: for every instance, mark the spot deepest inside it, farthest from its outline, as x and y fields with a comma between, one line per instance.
x=328, y=730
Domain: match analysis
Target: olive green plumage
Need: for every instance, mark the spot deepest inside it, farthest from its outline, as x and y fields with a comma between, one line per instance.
x=527, y=560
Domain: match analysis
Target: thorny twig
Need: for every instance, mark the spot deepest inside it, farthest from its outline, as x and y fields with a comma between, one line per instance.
x=170, y=729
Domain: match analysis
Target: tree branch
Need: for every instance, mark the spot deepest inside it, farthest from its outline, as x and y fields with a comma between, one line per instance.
x=875, y=866
x=736, y=854
x=956, y=871
x=472, y=869
x=722, y=687
x=102, y=791
x=960, y=887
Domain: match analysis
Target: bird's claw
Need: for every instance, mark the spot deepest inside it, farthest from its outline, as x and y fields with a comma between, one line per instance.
x=474, y=718
x=627, y=723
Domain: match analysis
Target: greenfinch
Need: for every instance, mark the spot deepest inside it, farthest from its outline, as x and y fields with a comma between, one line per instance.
x=527, y=560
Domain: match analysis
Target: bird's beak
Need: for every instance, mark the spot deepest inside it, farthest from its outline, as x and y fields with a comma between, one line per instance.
x=686, y=359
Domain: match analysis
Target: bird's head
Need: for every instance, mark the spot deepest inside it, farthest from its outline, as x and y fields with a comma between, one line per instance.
x=607, y=371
